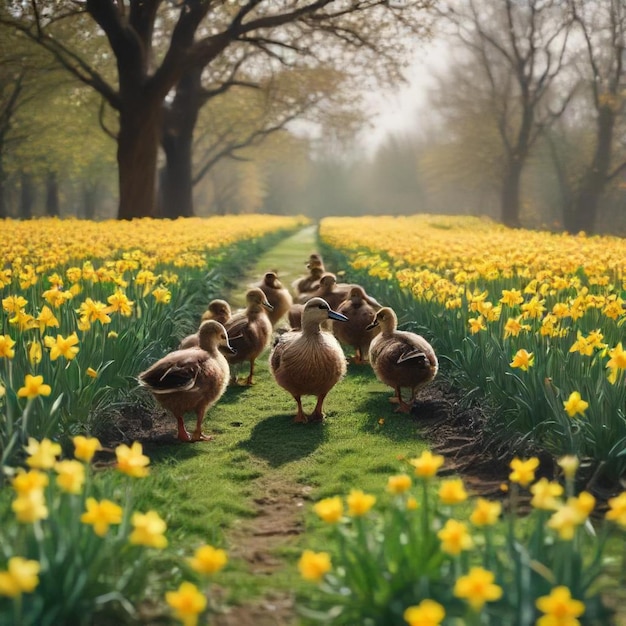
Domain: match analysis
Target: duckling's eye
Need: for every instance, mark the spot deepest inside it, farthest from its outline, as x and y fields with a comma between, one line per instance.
x=322, y=306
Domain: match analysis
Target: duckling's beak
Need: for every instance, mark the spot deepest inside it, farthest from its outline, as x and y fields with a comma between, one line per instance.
x=267, y=305
x=372, y=325
x=337, y=316
x=228, y=348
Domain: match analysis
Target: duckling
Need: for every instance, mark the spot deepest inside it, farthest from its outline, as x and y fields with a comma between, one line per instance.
x=310, y=282
x=308, y=361
x=250, y=330
x=277, y=296
x=218, y=310
x=192, y=379
x=294, y=315
x=400, y=358
x=328, y=291
x=355, y=331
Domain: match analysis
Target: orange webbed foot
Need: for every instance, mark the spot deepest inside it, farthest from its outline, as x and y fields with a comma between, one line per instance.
x=199, y=436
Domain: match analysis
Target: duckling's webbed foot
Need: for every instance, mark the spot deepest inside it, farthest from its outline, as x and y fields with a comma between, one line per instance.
x=200, y=436
x=318, y=413
x=183, y=434
x=300, y=417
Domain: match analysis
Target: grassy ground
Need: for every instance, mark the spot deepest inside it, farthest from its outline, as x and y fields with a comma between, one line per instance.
x=212, y=491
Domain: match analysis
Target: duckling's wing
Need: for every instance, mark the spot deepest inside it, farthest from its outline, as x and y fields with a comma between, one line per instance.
x=281, y=342
x=236, y=326
x=409, y=355
x=177, y=371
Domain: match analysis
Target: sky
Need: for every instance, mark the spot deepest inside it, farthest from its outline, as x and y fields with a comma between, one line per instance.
x=397, y=111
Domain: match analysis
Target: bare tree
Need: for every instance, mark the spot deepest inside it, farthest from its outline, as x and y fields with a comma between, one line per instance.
x=201, y=32
x=603, y=28
x=520, y=49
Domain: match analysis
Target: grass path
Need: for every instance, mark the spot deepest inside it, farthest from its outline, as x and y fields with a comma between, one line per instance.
x=250, y=488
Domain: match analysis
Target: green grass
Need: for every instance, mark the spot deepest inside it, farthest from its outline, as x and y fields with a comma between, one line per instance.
x=207, y=489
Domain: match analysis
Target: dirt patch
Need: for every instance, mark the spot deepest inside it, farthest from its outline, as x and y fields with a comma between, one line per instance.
x=279, y=518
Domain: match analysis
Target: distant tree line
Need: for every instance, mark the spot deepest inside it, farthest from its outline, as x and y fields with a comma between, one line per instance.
x=150, y=108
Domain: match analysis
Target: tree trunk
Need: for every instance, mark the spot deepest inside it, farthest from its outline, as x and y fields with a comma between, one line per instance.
x=90, y=194
x=27, y=196
x=585, y=208
x=52, y=195
x=3, y=201
x=510, y=196
x=176, y=193
x=137, y=151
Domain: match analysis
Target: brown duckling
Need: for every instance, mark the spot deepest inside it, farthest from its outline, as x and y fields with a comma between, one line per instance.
x=218, y=310
x=249, y=331
x=309, y=362
x=356, y=332
x=276, y=295
x=192, y=379
x=294, y=316
x=400, y=358
x=310, y=282
x=328, y=291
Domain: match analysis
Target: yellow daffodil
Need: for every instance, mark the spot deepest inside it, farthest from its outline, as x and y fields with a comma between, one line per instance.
x=411, y=504
x=33, y=480
x=546, y=494
x=617, y=509
x=476, y=324
x=427, y=464
x=70, y=475
x=559, y=608
x=131, y=460
x=13, y=304
x=523, y=471
x=523, y=360
x=514, y=327
x=187, y=602
x=35, y=353
x=33, y=387
x=314, y=565
x=47, y=319
x=426, y=613
x=329, y=510
x=6, y=347
x=359, y=503
x=85, y=447
x=94, y=311
x=485, y=513
x=455, y=537
x=569, y=464
x=62, y=346
x=575, y=405
x=148, y=529
x=477, y=587
x=452, y=491
x=399, y=483
x=101, y=514
x=208, y=560
x=511, y=297
x=21, y=576
x=42, y=454
x=162, y=295
x=568, y=517
x=119, y=303
x=30, y=507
